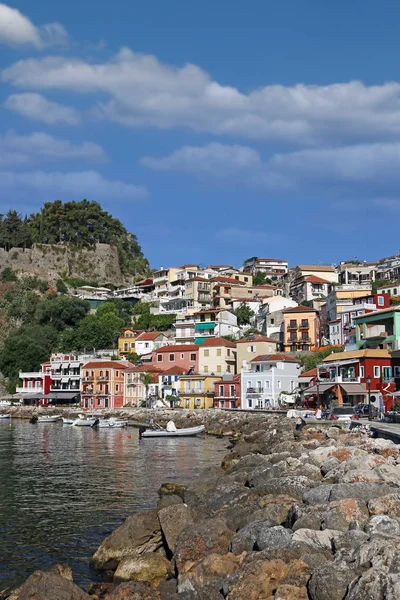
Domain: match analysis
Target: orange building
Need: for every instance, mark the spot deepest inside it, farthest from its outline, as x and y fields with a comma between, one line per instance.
x=301, y=329
x=102, y=383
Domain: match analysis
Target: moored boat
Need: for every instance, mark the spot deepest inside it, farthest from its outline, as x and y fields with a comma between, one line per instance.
x=5, y=416
x=111, y=423
x=48, y=418
x=185, y=432
x=68, y=421
x=84, y=421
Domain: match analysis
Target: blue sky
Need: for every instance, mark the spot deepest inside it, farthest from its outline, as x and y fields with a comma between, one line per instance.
x=215, y=130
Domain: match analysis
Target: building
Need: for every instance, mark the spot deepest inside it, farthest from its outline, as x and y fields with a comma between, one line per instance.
x=184, y=329
x=274, y=268
x=179, y=355
x=217, y=356
x=388, y=268
x=325, y=272
x=392, y=289
x=198, y=291
x=138, y=392
x=307, y=379
x=379, y=329
x=251, y=346
x=343, y=376
x=341, y=296
x=197, y=391
x=301, y=329
x=102, y=383
x=269, y=319
x=214, y=322
x=308, y=288
x=35, y=386
x=126, y=341
x=356, y=272
x=168, y=385
x=227, y=392
x=269, y=378
x=148, y=341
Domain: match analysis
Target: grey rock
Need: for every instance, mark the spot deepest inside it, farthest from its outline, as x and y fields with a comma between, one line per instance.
x=360, y=491
x=245, y=539
x=274, y=537
x=293, y=486
x=318, y=495
x=329, y=464
x=332, y=433
x=54, y=583
x=172, y=520
x=383, y=525
x=165, y=501
x=331, y=581
x=315, y=539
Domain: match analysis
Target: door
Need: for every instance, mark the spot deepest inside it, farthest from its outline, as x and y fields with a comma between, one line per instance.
x=86, y=403
x=105, y=402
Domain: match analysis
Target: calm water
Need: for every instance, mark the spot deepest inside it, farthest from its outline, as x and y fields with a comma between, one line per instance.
x=63, y=489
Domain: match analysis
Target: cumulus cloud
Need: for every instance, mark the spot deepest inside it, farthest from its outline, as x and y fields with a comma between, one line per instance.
x=362, y=166
x=38, y=108
x=16, y=29
x=73, y=184
x=23, y=149
x=141, y=91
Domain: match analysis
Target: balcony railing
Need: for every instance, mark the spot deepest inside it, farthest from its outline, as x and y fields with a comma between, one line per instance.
x=304, y=325
x=305, y=340
x=24, y=390
x=292, y=326
x=292, y=340
x=103, y=378
x=88, y=378
x=340, y=379
x=250, y=391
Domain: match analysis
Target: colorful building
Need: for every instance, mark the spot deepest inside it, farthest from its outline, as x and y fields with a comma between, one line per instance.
x=251, y=346
x=168, y=384
x=197, y=391
x=214, y=322
x=148, y=341
x=35, y=385
x=127, y=340
x=102, y=383
x=227, y=392
x=141, y=386
x=217, y=356
x=268, y=380
x=301, y=329
x=179, y=355
x=308, y=288
x=379, y=329
x=274, y=268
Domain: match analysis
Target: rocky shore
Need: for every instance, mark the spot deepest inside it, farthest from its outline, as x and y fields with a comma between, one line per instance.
x=287, y=516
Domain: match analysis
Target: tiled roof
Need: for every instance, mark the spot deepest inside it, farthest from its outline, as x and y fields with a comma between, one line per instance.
x=256, y=338
x=179, y=348
x=274, y=358
x=133, y=330
x=311, y=373
x=325, y=268
x=218, y=341
x=112, y=364
x=145, y=369
x=299, y=309
x=368, y=353
x=187, y=266
x=265, y=285
x=177, y=370
x=197, y=279
x=313, y=279
x=149, y=336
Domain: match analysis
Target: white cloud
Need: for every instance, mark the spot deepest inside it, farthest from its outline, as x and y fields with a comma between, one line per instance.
x=16, y=29
x=23, y=149
x=141, y=91
x=363, y=166
x=69, y=185
x=38, y=108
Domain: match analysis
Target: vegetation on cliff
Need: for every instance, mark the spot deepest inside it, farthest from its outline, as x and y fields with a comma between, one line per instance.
x=81, y=224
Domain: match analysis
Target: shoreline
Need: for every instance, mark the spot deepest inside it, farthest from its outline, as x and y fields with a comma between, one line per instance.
x=289, y=515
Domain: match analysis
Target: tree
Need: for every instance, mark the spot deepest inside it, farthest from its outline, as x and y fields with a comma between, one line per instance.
x=244, y=314
x=229, y=337
x=62, y=311
x=134, y=358
x=261, y=278
x=8, y=275
x=146, y=379
x=14, y=231
x=311, y=360
x=100, y=330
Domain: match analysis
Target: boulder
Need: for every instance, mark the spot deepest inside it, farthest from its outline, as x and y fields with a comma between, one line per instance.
x=172, y=520
x=273, y=537
x=385, y=505
x=139, y=534
x=245, y=539
x=133, y=590
x=149, y=566
x=168, y=500
x=211, y=571
x=340, y=514
x=383, y=525
x=331, y=581
x=54, y=583
x=175, y=489
x=315, y=539
x=293, y=486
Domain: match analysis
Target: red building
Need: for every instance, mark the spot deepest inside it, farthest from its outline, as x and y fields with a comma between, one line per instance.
x=35, y=384
x=227, y=392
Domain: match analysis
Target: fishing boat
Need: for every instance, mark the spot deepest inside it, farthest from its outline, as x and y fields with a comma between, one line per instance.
x=5, y=416
x=48, y=418
x=84, y=421
x=68, y=421
x=111, y=423
x=170, y=431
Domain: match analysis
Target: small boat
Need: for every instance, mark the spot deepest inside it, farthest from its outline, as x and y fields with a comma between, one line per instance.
x=84, y=421
x=48, y=418
x=112, y=423
x=68, y=421
x=5, y=416
x=170, y=431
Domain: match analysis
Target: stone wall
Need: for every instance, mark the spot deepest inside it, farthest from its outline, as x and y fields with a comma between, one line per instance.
x=47, y=261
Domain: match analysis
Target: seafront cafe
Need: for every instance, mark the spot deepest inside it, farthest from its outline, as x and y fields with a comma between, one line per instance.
x=51, y=399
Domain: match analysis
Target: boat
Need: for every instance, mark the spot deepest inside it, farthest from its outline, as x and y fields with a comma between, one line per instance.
x=5, y=416
x=48, y=418
x=84, y=421
x=170, y=431
x=68, y=421
x=112, y=423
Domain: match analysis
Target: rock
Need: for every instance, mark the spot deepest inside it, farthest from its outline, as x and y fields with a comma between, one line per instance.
x=330, y=581
x=211, y=571
x=134, y=591
x=168, y=500
x=361, y=491
x=274, y=537
x=196, y=540
x=172, y=520
x=329, y=464
x=383, y=525
x=139, y=534
x=316, y=539
x=373, y=584
x=54, y=583
x=385, y=505
x=101, y=590
x=332, y=433
x=167, y=589
x=320, y=455
x=150, y=566
x=167, y=489
x=245, y=539
x=318, y=495
x=348, y=543
x=294, y=486
x=340, y=514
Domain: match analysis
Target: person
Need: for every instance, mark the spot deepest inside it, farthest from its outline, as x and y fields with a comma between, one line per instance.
x=318, y=413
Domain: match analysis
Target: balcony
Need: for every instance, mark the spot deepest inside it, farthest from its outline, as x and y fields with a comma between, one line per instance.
x=304, y=325
x=304, y=340
x=103, y=378
x=292, y=327
x=88, y=378
x=25, y=390
x=194, y=391
x=30, y=375
x=292, y=340
x=340, y=379
x=251, y=391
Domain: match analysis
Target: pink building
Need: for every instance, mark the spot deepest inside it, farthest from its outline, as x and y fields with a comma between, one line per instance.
x=183, y=355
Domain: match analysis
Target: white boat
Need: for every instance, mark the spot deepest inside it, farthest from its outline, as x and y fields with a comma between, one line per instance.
x=68, y=421
x=186, y=432
x=84, y=421
x=48, y=418
x=5, y=416
x=112, y=423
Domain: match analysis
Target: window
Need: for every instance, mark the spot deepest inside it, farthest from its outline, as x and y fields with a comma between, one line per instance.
x=377, y=372
x=206, y=353
x=221, y=404
x=279, y=384
x=193, y=356
x=386, y=372
x=205, y=369
x=293, y=335
x=187, y=403
x=237, y=277
x=293, y=349
x=304, y=347
x=146, y=344
x=116, y=373
x=219, y=369
x=171, y=357
x=249, y=402
x=381, y=300
x=198, y=402
x=221, y=390
x=99, y=402
x=395, y=292
x=218, y=351
x=271, y=321
x=228, y=352
x=361, y=371
x=246, y=279
x=117, y=388
x=182, y=356
x=293, y=323
x=228, y=368
x=233, y=391
x=267, y=384
x=159, y=358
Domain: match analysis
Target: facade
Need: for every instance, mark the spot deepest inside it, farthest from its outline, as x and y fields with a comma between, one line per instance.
x=180, y=355
x=227, y=392
x=253, y=345
x=392, y=289
x=379, y=329
x=274, y=268
x=147, y=342
x=136, y=391
x=184, y=329
x=388, y=268
x=198, y=291
x=102, y=383
x=168, y=384
x=301, y=329
x=268, y=380
x=325, y=272
x=197, y=391
x=341, y=296
x=308, y=288
x=126, y=341
x=35, y=384
x=356, y=273
x=217, y=356
x=270, y=319
x=214, y=322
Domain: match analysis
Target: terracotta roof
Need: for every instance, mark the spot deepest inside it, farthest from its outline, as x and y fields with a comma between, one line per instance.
x=244, y=300
x=311, y=373
x=218, y=341
x=226, y=280
x=256, y=338
x=144, y=369
x=177, y=370
x=368, y=353
x=219, y=267
x=197, y=279
x=299, y=309
x=133, y=329
x=315, y=279
x=325, y=268
x=389, y=285
x=188, y=265
x=179, y=348
x=112, y=364
x=149, y=335
x=274, y=358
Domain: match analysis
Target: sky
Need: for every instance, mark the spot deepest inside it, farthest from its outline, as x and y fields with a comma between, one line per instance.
x=215, y=131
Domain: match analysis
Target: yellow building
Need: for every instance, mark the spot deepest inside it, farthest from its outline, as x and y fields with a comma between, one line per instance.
x=301, y=331
x=197, y=391
x=217, y=356
x=126, y=341
x=251, y=346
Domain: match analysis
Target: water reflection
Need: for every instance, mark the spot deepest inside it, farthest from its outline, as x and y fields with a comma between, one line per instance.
x=62, y=489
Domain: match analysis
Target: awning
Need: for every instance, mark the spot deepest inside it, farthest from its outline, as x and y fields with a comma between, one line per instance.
x=206, y=325
x=353, y=389
x=323, y=387
x=61, y=395
x=338, y=363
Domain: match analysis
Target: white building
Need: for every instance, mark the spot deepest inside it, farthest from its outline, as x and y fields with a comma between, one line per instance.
x=268, y=378
x=146, y=342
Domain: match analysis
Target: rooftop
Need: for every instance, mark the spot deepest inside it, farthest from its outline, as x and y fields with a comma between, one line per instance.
x=176, y=370
x=310, y=373
x=368, y=353
x=255, y=338
x=299, y=309
x=218, y=341
x=325, y=268
x=274, y=358
x=179, y=348
x=378, y=312
x=111, y=364
x=149, y=336
x=226, y=280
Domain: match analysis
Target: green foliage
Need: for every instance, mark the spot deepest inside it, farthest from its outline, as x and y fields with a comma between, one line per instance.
x=149, y=322
x=311, y=360
x=254, y=330
x=99, y=330
x=8, y=275
x=230, y=338
x=378, y=283
x=62, y=311
x=61, y=287
x=134, y=358
x=20, y=304
x=15, y=231
x=261, y=278
x=244, y=314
